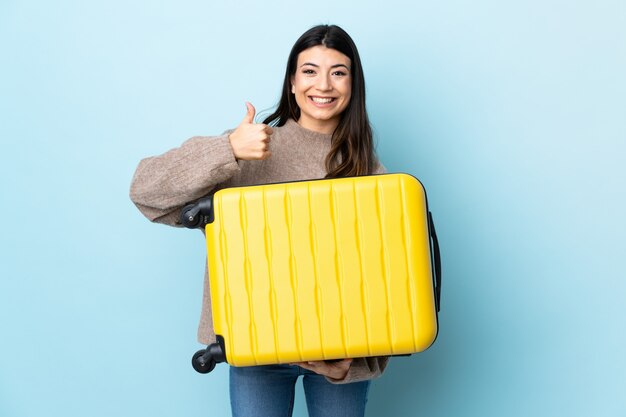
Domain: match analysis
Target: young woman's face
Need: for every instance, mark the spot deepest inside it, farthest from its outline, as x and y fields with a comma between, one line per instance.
x=322, y=85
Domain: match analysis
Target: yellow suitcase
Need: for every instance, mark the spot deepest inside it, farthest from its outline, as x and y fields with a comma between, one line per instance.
x=319, y=270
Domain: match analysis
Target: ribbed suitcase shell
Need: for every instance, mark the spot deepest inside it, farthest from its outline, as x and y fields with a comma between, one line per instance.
x=322, y=269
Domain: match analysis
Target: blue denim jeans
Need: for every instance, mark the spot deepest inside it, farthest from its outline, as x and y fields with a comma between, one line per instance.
x=269, y=391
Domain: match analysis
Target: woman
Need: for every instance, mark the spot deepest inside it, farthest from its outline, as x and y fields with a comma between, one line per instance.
x=320, y=129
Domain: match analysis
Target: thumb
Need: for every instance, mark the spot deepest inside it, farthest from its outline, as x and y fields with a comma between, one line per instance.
x=249, y=118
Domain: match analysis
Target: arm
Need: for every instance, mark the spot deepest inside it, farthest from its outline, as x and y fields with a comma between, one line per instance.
x=163, y=184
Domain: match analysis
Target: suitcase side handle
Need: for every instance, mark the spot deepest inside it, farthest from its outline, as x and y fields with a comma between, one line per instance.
x=437, y=261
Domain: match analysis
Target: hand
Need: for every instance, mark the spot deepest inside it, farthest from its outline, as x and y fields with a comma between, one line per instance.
x=251, y=140
x=333, y=370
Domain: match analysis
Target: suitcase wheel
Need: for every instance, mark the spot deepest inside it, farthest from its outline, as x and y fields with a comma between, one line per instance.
x=201, y=363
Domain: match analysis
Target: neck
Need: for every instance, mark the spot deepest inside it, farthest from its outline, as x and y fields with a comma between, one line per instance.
x=326, y=127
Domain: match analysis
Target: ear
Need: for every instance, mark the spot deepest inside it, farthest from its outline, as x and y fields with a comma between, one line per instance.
x=293, y=87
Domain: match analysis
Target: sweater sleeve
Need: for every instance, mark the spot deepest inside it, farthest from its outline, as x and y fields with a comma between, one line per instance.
x=362, y=369
x=163, y=184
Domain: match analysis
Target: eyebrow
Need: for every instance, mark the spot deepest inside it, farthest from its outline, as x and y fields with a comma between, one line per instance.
x=332, y=66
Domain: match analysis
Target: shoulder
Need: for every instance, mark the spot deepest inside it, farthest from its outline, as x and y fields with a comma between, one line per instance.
x=288, y=126
x=379, y=168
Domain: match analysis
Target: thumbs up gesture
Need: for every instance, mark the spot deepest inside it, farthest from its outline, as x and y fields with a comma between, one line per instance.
x=251, y=140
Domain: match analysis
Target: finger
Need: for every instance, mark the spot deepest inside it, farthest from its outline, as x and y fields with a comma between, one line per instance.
x=266, y=154
x=309, y=367
x=249, y=118
x=343, y=365
x=261, y=146
x=320, y=366
x=301, y=365
x=263, y=128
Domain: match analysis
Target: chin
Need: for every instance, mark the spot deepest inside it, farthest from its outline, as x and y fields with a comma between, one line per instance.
x=323, y=116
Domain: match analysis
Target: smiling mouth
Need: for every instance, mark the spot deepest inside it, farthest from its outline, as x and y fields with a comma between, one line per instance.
x=322, y=100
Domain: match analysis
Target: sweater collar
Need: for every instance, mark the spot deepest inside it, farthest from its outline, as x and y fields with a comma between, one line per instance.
x=309, y=134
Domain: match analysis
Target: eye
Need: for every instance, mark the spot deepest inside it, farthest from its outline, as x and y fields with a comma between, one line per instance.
x=340, y=73
x=308, y=71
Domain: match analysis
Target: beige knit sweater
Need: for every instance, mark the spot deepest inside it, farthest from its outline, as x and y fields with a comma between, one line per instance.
x=163, y=184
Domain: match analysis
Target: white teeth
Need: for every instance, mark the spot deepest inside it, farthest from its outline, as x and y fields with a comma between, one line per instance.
x=322, y=100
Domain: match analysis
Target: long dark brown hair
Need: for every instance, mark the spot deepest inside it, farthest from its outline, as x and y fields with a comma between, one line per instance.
x=352, y=147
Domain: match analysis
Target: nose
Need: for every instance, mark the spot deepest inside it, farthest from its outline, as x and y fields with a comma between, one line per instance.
x=323, y=83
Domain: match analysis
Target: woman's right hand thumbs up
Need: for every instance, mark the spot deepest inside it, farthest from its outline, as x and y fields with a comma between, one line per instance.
x=251, y=140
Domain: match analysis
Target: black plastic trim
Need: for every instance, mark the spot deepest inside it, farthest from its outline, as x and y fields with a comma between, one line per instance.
x=222, y=344
x=197, y=215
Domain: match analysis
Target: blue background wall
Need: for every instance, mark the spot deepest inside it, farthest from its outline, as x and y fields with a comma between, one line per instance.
x=513, y=114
